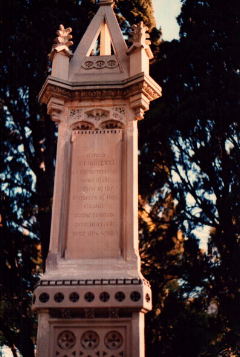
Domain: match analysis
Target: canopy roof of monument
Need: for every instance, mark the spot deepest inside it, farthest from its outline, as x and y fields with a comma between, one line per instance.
x=102, y=47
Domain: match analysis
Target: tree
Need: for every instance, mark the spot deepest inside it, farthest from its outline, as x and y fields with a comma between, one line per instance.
x=194, y=132
x=138, y=10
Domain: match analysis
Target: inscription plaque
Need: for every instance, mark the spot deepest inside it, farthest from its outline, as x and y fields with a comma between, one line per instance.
x=95, y=195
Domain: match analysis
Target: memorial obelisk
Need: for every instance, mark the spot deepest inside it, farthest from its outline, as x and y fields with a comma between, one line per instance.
x=92, y=298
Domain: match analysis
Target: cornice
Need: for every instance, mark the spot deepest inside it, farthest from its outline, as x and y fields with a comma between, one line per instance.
x=69, y=91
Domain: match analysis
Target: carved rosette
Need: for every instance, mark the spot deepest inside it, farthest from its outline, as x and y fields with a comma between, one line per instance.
x=66, y=340
x=100, y=63
x=86, y=342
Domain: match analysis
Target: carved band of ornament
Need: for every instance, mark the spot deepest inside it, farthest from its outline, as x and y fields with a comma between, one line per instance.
x=104, y=93
x=84, y=282
x=83, y=125
x=94, y=132
x=109, y=124
x=97, y=114
x=120, y=110
x=152, y=94
x=117, y=93
x=109, y=119
x=99, y=64
x=112, y=124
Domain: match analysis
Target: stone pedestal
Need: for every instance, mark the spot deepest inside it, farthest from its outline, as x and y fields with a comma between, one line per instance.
x=92, y=299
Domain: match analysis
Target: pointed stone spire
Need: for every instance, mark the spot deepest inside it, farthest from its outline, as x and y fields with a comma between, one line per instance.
x=61, y=53
x=62, y=42
x=140, y=52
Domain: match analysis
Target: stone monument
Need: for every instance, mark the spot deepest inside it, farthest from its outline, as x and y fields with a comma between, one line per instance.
x=92, y=298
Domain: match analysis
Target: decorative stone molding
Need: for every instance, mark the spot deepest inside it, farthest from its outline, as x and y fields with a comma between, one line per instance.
x=62, y=42
x=113, y=313
x=75, y=114
x=83, y=125
x=97, y=114
x=97, y=118
x=55, y=108
x=84, y=282
x=89, y=313
x=112, y=124
x=139, y=86
x=98, y=62
x=130, y=296
x=120, y=110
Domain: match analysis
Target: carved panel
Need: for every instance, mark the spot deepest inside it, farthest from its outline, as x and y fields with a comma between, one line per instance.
x=95, y=195
x=99, y=341
x=97, y=114
x=75, y=114
x=97, y=118
x=98, y=62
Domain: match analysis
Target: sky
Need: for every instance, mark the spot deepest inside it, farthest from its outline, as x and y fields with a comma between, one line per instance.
x=166, y=12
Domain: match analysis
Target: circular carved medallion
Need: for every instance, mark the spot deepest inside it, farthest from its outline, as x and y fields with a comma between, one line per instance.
x=43, y=297
x=58, y=297
x=120, y=296
x=100, y=64
x=113, y=340
x=90, y=340
x=104, y=296
x=89, y=296
x=66, y=340
x=74, y=297
x=135, y=296
x=89, y=64
x=112, y=63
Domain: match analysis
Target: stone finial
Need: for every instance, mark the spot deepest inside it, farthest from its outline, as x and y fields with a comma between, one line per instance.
x=62, y=42
x=140, y=39
x=139, y=35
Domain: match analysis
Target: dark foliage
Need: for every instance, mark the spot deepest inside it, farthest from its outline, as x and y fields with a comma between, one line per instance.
x=190, y=142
